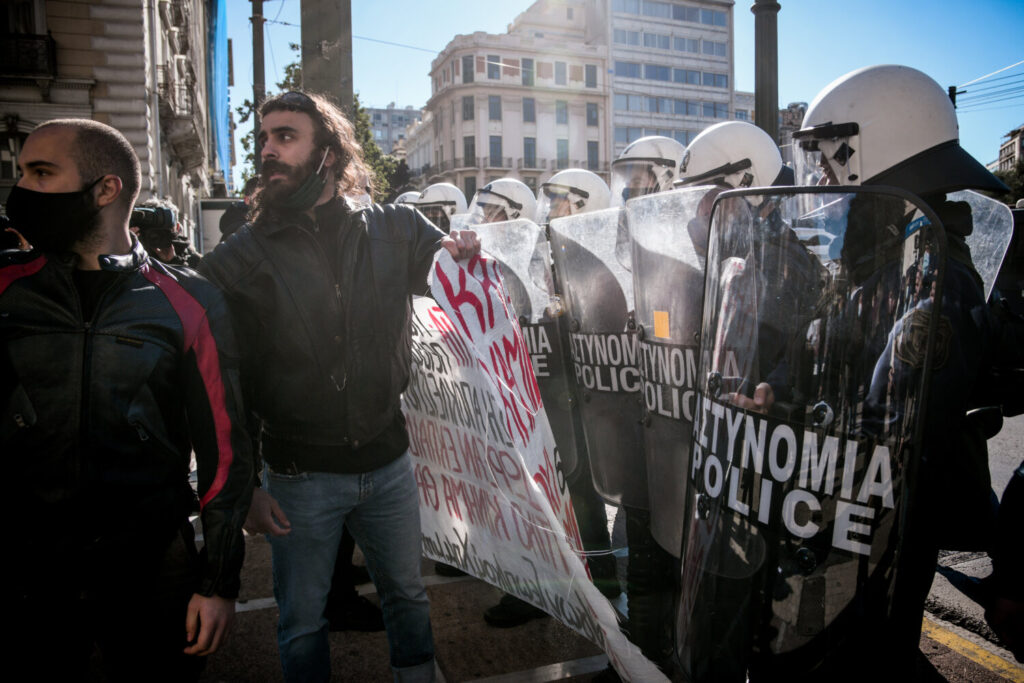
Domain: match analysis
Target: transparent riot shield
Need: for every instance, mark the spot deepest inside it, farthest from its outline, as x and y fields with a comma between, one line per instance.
x=590, y=253
x=668, y=232
x=816, y=344
x=991, y=229
x=522, y=250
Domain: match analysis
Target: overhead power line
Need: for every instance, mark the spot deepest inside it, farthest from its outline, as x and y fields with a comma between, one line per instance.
x=999, y=71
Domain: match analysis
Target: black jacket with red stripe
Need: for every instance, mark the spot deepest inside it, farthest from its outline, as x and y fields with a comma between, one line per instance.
x=98, y=420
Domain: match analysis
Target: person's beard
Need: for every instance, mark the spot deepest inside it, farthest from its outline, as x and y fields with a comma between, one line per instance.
x=273, y=194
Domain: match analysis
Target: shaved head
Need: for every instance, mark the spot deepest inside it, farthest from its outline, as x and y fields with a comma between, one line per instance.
x=100, y=150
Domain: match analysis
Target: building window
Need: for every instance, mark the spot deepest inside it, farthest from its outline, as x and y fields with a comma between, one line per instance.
x=656, y=40
x=527, y=71
x=628, y=135
x=681, y=136
x=591, y=113
x=627, y=6
x=591, y=77
x=494, y=107
x=529, y=110
x=560, y=73
x=467, y=108
x=687, y=76
x=627, y=69
x=661, y=10
x=691, y=45
x=530, y=152
x=716, y=80
x=621, y=103
x=716, y=110
x=742, y=115
x=531, y=182
x=656, y=72
x=561, y=111
x=469, y=150
x=684, y=13
x=467, y=68
x=470, y=183
x=496, y=151
x=493, y=67
x=453, y=114
x=593, y=160
x=625, y=37
x=714, y=48
x=712, y=17
x=563, y=153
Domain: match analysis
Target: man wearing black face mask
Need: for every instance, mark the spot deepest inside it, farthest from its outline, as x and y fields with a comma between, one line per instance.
x=321, y=286
x=113, y=368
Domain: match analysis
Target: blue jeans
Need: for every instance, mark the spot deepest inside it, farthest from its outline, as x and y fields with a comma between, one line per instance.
x=381, y=509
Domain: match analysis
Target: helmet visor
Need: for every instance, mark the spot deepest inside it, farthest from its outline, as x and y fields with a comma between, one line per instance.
x=637, y=177
x=557, y=201
x=487, y=212
x=437, y=213
x=824, y=154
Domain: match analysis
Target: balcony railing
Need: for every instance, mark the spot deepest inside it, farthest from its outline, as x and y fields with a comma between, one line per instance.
x=531, y=164
x=496, y=162
x=24, y=55
x=175, y=93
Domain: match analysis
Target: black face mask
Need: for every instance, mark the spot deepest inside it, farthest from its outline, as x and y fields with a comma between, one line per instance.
x=52, y=221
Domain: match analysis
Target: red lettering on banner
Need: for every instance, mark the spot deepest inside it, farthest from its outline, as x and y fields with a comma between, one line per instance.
x=464, y=296
x=472, y=458
x=452, y=339
x=427, y=485
x=451, y=500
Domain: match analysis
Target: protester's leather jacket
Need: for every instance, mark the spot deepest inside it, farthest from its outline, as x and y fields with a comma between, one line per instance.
x=99, y=418
x=326, y=337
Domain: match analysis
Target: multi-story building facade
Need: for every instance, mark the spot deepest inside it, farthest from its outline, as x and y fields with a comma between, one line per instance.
x=1011, y=151
x=673, y=68
x=419, y=147
x=388, y=125
x=525, y=103
x=155, y=70
x=791, y=119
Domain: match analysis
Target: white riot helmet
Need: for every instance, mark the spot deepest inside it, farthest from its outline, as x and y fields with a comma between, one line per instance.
x=410, y=197
x=505, y=199
x=439, y=202
x=735, y=154
x=570, y=192
x=646, y=166
x=887, y=125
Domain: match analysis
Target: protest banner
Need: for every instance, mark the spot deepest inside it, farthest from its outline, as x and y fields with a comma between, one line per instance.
x=493, y=499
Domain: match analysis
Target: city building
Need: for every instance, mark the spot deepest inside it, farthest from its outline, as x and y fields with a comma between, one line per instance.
x=156, y=71
x=743, y=106
x=1011, y=151
x=525, y=103
x=419, y=147
x=791, y=119
x=672, y=66
x=388, y=125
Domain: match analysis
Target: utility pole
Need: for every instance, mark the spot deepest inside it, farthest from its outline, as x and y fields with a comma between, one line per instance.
x=259, y=85
x=327, y=49
x=766, y=66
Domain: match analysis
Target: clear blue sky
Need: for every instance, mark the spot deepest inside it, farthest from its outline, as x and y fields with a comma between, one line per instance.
x=819, y=40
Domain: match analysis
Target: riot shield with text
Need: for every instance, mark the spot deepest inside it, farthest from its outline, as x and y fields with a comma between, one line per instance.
x=524, y=256
x=816, y=343
x=668, y=232
x=591, y=259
